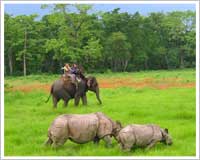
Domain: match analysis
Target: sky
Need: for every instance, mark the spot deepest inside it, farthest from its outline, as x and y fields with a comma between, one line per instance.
x=144, y=9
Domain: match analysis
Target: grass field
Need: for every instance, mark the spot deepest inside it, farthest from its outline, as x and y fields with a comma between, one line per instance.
x=166, y=98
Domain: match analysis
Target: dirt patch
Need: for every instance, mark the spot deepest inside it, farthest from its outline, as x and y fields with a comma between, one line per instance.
x=164, y=83
x=31, y=87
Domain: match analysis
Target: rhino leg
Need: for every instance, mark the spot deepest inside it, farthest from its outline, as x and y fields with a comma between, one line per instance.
x=48, y=142
x=126, y=148
x=59, y=139
x=57, y=143
x=108, y=141
x=96, y=140
x=152, y=143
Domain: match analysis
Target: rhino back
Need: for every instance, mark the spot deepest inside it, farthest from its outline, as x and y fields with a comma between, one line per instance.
x=126, y=135
x=145, y=134
x=82, y=128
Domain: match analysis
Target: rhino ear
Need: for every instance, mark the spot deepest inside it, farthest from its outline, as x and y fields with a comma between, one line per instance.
x=166, y=130
x=119, y=123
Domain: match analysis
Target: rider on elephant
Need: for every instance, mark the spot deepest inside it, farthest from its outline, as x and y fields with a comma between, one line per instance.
x=72, y=73
x=75, y=71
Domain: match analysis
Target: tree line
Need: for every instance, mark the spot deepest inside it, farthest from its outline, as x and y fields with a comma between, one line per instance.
x=100, y=41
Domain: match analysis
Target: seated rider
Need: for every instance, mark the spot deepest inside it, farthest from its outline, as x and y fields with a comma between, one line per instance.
x=66, y=68
x=66, y=74
x=72, y=72
x=75, y=71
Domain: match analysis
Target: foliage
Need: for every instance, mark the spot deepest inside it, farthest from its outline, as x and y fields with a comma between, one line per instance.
x=118, y=51
x=99, y=41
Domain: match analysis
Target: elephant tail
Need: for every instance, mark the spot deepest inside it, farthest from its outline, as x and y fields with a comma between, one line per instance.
x=50, y=94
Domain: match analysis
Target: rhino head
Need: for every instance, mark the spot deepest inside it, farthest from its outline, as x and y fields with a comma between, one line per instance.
x=166, y=138
x=117, y=126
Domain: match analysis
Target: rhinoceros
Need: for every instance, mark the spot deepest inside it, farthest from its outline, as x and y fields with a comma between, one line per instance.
x=82, y=129
x=142, y=136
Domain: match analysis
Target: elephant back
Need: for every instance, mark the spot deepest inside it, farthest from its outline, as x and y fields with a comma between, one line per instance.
x=105, y=125
x=66, y=79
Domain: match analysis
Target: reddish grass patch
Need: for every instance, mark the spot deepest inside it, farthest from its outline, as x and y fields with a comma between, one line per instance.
x=164, y=83
x=31, y=87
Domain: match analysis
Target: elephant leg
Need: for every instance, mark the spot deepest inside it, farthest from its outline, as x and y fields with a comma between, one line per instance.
x=66, y=100
x=108, y=141
x=84, y=100
x=76, y=100
x=97, y=96
x=66, y=103
x=55, y=101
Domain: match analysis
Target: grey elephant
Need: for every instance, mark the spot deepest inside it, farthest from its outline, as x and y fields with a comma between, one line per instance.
x=82, y=129
x=64, y=89
x=142, y=136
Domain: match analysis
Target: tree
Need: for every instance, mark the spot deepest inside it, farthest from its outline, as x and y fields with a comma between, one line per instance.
x=8, y=42
x=180, y=26
x=92, y=53
x=118, y=51
x=27, y=32
x=115, y=40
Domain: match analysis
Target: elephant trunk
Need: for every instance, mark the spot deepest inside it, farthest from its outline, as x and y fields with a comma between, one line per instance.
x=97, y=95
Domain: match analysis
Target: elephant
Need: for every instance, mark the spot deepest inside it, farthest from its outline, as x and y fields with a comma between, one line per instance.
x=82, y=128
x=64, y=89
x=142, y=136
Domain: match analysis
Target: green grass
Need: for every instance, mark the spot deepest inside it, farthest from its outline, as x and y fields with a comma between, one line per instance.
x=27, y=117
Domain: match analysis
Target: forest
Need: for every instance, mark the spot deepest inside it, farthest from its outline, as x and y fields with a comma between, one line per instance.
x=100, y=42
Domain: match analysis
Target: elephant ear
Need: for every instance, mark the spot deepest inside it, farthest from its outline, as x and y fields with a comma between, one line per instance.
x=94, y=82
x=91, y=82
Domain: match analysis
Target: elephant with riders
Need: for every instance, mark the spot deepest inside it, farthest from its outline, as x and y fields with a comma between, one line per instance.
x=73, y=85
